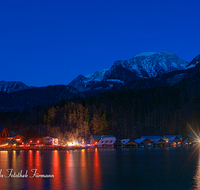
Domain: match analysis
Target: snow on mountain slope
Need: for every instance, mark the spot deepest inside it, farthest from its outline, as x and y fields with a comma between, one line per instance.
x=96, y=76
x=12, y=86
x=84, y=83
x=151, y=64
x=143, y=65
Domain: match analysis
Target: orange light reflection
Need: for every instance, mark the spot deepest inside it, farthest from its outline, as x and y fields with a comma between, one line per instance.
x=31, y=182
x=83, y=169
x=70, y=173
x=97, y=171
x=56, y=181
x=38, y=164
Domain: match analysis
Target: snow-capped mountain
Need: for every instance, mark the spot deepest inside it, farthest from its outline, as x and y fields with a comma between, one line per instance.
x=143, y=65
x=12, y=86
x=147, y=65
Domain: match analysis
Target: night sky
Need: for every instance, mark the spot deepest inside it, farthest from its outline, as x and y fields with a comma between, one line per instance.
x=48, y=42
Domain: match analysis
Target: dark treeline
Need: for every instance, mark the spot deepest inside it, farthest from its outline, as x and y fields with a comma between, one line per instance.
x=126, y=113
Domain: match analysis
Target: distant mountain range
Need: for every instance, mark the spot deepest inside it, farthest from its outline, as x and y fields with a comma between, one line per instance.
x=143, y=66
x=12, y=86
x=144, y=70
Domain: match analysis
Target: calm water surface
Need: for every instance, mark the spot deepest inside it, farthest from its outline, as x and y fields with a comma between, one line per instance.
x=153, y=168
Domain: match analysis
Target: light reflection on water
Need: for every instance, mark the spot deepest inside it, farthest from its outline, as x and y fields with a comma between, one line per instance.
x=56, y=182
x=164, y=168
x=197, y=175
x=97, y=180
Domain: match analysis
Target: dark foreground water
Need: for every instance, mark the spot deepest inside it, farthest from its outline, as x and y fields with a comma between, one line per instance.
x=154, y=168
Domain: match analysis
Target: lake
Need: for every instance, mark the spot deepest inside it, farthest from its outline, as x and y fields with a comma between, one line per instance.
x=102, y=168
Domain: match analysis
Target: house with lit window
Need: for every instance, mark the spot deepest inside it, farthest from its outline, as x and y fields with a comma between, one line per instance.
x=175, y=141
x=16, y=137
x=167, y=137
x=94, y=139
x=109, y=142
x=187, y=142
x=100, y=143
x=50, y=140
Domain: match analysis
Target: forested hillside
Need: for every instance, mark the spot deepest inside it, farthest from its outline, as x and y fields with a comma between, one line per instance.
x=126, y=113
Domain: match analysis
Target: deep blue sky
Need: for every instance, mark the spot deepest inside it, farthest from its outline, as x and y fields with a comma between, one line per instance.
x=48, y=42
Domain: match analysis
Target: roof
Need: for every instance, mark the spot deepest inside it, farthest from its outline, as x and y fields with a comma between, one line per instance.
x=110, y=140
x=106, y=136
x=141, y=140
x=170, y=136
x=12, y=134
x=187, y=140
x=158, y=140
x=101, y=142
x=124, y=141
x=107, y=141
x=174, y=138
x=96, y=137
x=152, y=137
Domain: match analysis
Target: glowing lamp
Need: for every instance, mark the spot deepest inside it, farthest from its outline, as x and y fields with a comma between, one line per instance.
x=55, y=141
x=31, y=141
x=38, y=141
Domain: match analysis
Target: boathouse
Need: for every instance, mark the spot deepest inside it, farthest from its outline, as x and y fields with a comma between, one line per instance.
x=142, y=142
x=159, y=143
x=167, y=137
x=128, y=143
x=187, y=142
x=100, y=143
x=111, y=142
x=175, y=141
x=94, y=139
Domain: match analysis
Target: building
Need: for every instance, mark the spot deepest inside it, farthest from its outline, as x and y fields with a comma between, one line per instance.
x=128, y=143
x=187, y=142
x=142, y=142
x=50, y=140
x=109, y=142
x=16, y=137
x=94, y=139
x=101, y=143
x=112, y=142
x=175, y=141
x=167, y=137
x=160, y=142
